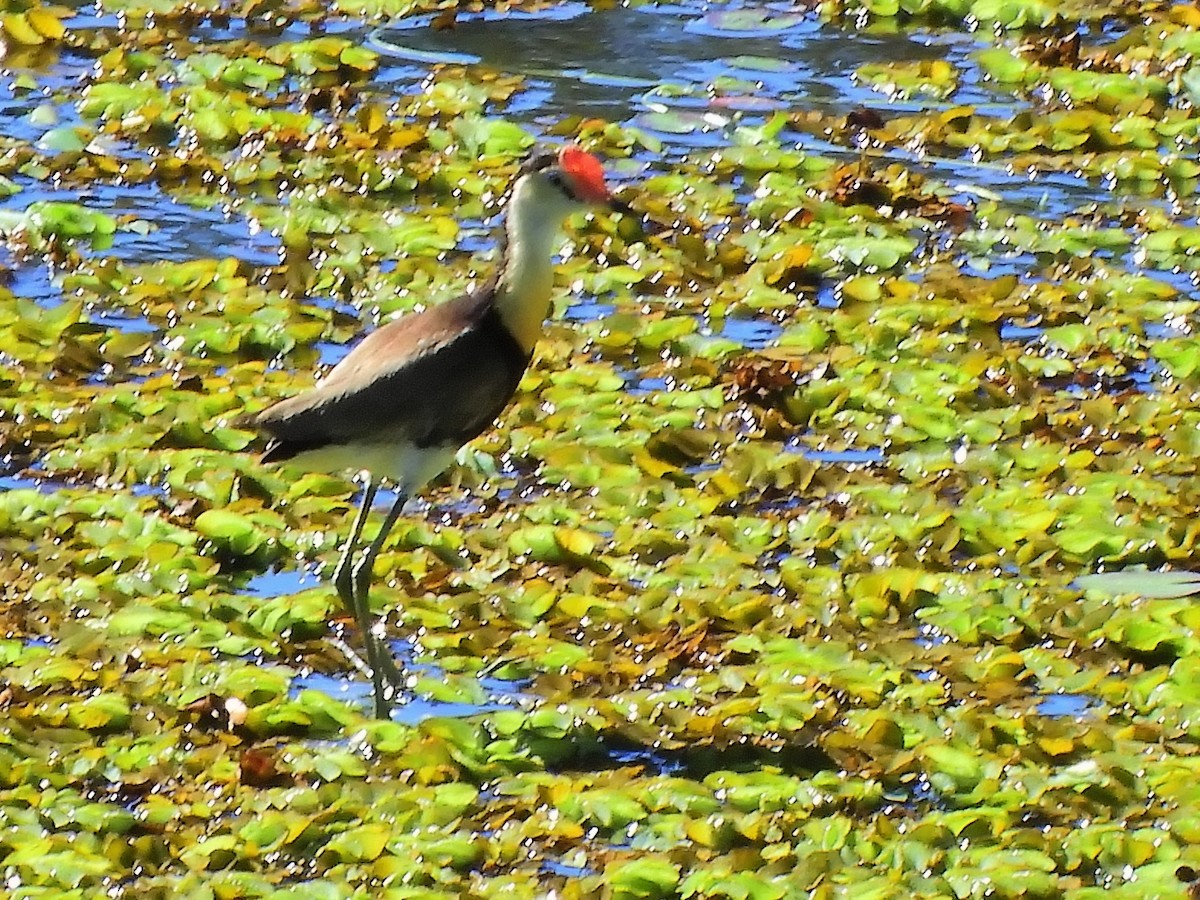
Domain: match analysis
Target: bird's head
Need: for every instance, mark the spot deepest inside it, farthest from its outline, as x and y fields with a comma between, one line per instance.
x=553, y=184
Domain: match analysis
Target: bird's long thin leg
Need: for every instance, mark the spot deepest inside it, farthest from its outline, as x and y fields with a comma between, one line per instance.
x=379, y=656
x=343, y=577
x=343, y=581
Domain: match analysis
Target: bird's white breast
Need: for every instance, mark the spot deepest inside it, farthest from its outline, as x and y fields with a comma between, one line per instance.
x=409, y=468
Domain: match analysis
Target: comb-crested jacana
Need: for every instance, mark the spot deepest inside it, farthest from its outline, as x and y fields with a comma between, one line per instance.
x=401, y=403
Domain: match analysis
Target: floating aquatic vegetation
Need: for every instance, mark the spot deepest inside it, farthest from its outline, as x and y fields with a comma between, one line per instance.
x=837, y=546
x=33, y=25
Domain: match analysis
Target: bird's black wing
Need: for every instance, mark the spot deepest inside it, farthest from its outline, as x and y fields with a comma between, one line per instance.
x=442, y=393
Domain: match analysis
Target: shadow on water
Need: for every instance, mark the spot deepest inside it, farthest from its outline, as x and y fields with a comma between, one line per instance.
x=802, y=755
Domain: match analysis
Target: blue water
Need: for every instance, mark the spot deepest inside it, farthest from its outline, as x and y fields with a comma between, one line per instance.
x=31, y=477
x=602, y=62
x=411, y=708
x=281, y=583
x=1066, y=705
x=178, y=231
x=555, y=867
x=845, y=456
x=929, y=637
x=588, y=309
x=1009, y=332
x=754, y=334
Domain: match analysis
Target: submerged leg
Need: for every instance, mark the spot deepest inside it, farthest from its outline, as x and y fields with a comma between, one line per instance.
x=382, y=662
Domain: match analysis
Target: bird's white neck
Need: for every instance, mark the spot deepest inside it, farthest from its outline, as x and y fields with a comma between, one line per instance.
x=533, y=230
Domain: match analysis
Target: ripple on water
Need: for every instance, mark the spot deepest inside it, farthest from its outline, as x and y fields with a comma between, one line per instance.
x=671, y=55
x=570, y=55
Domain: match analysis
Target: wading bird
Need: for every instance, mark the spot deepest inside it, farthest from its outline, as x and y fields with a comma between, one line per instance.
x=401, y=403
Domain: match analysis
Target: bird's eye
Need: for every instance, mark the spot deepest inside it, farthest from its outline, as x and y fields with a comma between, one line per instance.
x=557, y=178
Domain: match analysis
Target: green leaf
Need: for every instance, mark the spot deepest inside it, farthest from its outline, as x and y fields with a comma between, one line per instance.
x=230, y=531
x=361, y=844
x=648, y=877
x=1142, y=583
x=102, y=712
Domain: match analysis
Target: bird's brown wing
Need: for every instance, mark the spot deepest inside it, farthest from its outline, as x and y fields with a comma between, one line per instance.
x=433, y=380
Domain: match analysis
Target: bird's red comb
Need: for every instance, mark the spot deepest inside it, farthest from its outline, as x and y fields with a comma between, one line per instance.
x=586, y=172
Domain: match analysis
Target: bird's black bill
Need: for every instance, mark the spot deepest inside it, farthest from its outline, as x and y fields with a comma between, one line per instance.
x=616, y=204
